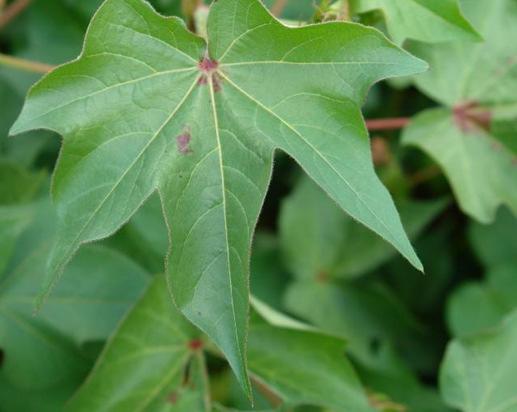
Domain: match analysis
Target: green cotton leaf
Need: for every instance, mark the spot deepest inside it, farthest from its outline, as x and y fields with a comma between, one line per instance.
x=99, y=287
x=478, y=374
x=479, y=306
x=149, y=106
x=495, y=244
x=476, y=81
x=320, y=242
x=424, y=20
x=359, y=313
x=481, y=171
x=143, y=364
x=388, y=374
x=305, y=368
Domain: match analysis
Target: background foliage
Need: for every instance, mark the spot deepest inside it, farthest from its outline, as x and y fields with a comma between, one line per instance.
x=339, y=320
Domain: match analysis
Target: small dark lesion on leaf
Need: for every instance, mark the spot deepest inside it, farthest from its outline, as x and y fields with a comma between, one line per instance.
x=183, y=142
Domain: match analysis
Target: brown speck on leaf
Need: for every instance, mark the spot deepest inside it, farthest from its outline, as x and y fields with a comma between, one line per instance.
x=172, y=398
x=183, y=143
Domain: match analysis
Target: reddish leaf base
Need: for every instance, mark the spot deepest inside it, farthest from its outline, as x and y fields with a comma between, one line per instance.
x=469, y=116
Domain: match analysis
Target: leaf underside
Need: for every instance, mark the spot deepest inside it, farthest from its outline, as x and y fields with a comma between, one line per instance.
x=149, y=106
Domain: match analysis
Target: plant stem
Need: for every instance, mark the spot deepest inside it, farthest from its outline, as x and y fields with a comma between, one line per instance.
x=393, y=123
x=12, y=10
x=26, y=65
x=278, y=7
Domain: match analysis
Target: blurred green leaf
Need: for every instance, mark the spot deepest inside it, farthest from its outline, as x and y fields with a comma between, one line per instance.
x=495, y=244
x=387, y=374
x=479, y=374
x=422, y=20
x=362, y=314
x=476, y=307
x=475, y=81
x=304, y=367
x=320, y=242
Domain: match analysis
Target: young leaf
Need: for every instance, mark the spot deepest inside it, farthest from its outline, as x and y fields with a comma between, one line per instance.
x=149, y=106
x=478, y=374
x=477, y=82
x=143, y=364
x=424, y=20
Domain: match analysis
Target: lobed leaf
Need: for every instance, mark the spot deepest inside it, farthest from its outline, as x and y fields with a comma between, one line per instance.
x=149, y=106
x=473, y=140
x=424, y=20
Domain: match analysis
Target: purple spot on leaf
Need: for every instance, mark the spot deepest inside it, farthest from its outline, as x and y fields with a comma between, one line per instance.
x=183, y=143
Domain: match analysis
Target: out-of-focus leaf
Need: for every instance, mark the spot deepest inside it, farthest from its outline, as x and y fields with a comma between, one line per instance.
x=476, y=81
x=495, y=244
x=478, y=373
x=150, y=106
x=18, y=185
x=268, y=279
x=305, y=367
x=361, y=314
x=319, y=241
x=387, y=374
x=17, y=188
x=476, y=307
x=424, y=20
x=101, y=286
x=143, y=364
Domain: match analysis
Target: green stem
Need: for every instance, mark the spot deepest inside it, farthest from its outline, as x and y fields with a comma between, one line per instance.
x=26, y=65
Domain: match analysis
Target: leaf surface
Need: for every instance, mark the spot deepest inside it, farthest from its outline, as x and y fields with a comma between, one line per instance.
x=149, y=106
x=424, y=20
x=472, y=139
x=478, y=374
x=143, y=364
x=305, y=368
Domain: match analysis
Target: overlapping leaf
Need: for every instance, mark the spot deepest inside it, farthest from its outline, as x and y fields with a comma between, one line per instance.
x=149, y=106
x=43, y=357
x=143, y=365
x=473, y=140
x=424, y=20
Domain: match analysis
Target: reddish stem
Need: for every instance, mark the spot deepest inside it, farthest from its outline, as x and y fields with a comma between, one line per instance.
x=12, y=10
x=393, y=123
